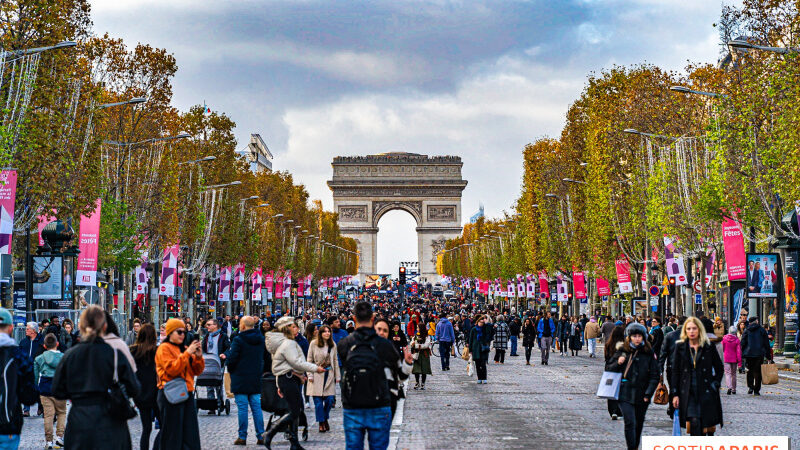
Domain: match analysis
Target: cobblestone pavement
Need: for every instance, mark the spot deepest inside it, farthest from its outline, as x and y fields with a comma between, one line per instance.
x=522, y=406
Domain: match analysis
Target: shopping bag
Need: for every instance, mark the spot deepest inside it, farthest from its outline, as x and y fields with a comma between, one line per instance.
x=452, y=350
x=465, y=354
x=470, y=368
x=227, y=380
x=609, y=385
x=676, y=423
x=769, y=373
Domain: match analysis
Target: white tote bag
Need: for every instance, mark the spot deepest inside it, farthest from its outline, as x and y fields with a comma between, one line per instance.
x=609, y=385
x=470, y=368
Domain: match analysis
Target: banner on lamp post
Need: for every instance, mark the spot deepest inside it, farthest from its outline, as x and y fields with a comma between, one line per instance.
x=224, y=285
x=268, y=284
x=255, y=283
x=88, y=241
x=674, y=263
x=8, y=197
x=603, y=287
x=733, y=242
x=238, y=282
x=544, y=289
x=141, y=276
x=579, y=280
x=169, y=271
x=623, y=275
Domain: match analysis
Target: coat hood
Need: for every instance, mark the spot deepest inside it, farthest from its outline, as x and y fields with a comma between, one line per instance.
x=730, y=339
x=753, y=326
x=252, y=336
x=443, y=319
x=7, y=341
x=51, y=358
x=274, y=340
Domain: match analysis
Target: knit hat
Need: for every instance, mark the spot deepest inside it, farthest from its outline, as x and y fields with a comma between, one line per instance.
x=619, y=323
x=635, y=328
x=732, y=329
x=172, y=325
x=283, y=322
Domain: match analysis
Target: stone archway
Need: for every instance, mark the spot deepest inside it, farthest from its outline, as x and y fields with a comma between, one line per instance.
x=427, y=187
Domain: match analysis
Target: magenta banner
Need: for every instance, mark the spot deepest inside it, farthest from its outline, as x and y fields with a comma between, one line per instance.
x=169, y=271
x=238, y=282
x=88, y=240
x=43, y=221
x=733, y=241
x=255, y=285
x=603, y=287
x=8, y=196
x=543, y=288
x=224, y=285
x=268, y=284
x=579, y=281
x=623, y=275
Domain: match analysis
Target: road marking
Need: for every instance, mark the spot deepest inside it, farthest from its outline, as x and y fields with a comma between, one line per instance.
x=397, y=422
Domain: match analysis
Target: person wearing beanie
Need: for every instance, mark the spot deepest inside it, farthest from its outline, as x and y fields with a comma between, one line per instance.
x=731, y=358
x=634, y=359
x=179, y=426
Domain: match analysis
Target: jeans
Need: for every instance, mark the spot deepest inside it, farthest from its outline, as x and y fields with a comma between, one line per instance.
x=9, y=441
x=634, y=421
x=322, y=407
x=592, y=345
x=444, y=354
x=754, y=373
x=480, y=369
x=545, y=348
x=254, y=400
x=528, y=353
x=513, y=346
x=499, y=355
x=730, y=375
x=375, y=421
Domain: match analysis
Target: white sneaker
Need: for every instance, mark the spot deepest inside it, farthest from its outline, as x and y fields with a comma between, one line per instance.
x=49, y=446
x=59, y=443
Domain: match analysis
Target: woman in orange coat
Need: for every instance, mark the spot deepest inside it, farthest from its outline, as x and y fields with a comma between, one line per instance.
x=179, y=427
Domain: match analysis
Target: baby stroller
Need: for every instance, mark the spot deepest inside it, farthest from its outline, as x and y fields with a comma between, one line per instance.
x=211, y=379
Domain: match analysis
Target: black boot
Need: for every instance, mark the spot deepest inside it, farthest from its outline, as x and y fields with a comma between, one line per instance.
x=276, y=427
x=295, y=443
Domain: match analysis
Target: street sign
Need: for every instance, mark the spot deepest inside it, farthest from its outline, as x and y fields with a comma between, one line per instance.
x=654, y=290
x=698, y=299
x=604, y=299
x=654, y=300
x=697, y=286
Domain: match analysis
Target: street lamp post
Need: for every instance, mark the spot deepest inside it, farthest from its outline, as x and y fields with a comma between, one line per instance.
x=740, y=44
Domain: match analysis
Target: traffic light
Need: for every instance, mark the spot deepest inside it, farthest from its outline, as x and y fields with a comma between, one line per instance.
x=171, y=308
x=402, y=275
x=672, y=281
x=197, y=293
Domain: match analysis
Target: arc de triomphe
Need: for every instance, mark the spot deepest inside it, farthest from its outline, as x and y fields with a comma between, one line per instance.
x=427, y=187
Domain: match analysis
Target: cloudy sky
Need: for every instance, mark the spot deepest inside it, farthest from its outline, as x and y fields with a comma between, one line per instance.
x=321, y=78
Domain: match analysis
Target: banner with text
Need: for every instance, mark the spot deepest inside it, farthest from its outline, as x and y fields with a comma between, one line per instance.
x=169, y=271
x=8, y=196
x=86, y=273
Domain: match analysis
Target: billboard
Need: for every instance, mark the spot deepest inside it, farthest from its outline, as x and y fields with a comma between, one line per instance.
x=762, y=275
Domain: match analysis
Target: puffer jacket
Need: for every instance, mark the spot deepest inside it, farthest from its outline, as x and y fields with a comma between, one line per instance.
x=731, y=349
x=642, y=377
x=287, y=356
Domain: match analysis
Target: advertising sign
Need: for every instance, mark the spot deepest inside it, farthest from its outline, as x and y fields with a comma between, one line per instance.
x=580, y=284
x=623, y=275
x=8, y=195
x=603, y=287
x=224, y=285
x=733, y=242
x=255, y=283
x=88, y=244
x=762, y=275
x=169, y=271
x=238, y=282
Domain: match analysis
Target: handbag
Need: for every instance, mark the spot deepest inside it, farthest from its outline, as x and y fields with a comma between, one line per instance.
x=120, y=405
x=270, y=400
x=465, y=354
x=769, y=373
x=661, y=396
x=175, y=391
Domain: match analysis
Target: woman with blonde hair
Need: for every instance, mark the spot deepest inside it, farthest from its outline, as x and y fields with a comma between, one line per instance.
x=322, y=387
x=696, y=376
x=289, y=367
x=89, y=422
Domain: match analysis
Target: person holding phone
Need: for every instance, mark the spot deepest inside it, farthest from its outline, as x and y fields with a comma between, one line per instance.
x=322, y=387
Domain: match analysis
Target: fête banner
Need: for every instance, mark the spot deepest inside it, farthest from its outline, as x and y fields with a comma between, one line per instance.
x=224, y=285
x=141, y=276
x=278, y=286
x=238, y=282
x=8, y=196
x=169, y=271
x=531, y=288
x=543, y=288
x=255, y=285
x=733, y=241
x=579, y=281
x=603, y=287
x=674, y=263
x=623, y=275
x=89, y=234
x=561, y=290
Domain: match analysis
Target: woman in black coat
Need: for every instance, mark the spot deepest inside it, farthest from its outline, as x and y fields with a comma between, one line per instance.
x=397, y=337
x=639, y=368
x=575, y=333
x=144, y=354
x=529, y=335
x=614, y=342
x=696, y=376
x=89, y=423
x=562, y=334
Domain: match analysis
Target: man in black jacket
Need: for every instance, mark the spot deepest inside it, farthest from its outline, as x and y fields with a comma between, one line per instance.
x=245, y=359
x=755, y=346
x=365, y=356
x=215, y=341
x=514, y=328
x=16, y=369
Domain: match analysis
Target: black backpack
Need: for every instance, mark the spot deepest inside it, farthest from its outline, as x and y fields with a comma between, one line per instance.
x=364, y=383
x=9, y=402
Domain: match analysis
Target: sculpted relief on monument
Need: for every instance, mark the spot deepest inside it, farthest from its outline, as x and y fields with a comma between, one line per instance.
x=353, y=213
x=437, y=213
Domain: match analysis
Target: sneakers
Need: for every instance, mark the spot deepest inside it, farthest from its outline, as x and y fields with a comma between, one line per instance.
x=422, y=387
x=49, y=446
x=59, y=443
x=416, y=386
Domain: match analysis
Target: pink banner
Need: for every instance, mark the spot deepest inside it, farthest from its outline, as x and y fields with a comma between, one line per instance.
x=43, y=221
x=623, y=275
x=88, y=241
x=169, y=271
x=255, y=283
x=733, y=241
x=268, y=280
x=141, y=276
x=543, y=288
x=278, y=285
x=224, y=285
x=603, y=287
x=8, y=196
x=238, y=282
x=579, y=281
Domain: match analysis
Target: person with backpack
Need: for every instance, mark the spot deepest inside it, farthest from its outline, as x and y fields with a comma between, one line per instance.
x=289, y=366
x=366, y=397
x=18, y=388
x=44, y=367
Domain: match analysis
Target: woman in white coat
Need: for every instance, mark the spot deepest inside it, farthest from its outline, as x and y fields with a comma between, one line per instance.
x=322, y=386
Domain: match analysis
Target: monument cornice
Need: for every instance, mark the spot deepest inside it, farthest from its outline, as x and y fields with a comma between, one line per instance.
x=398, y=158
